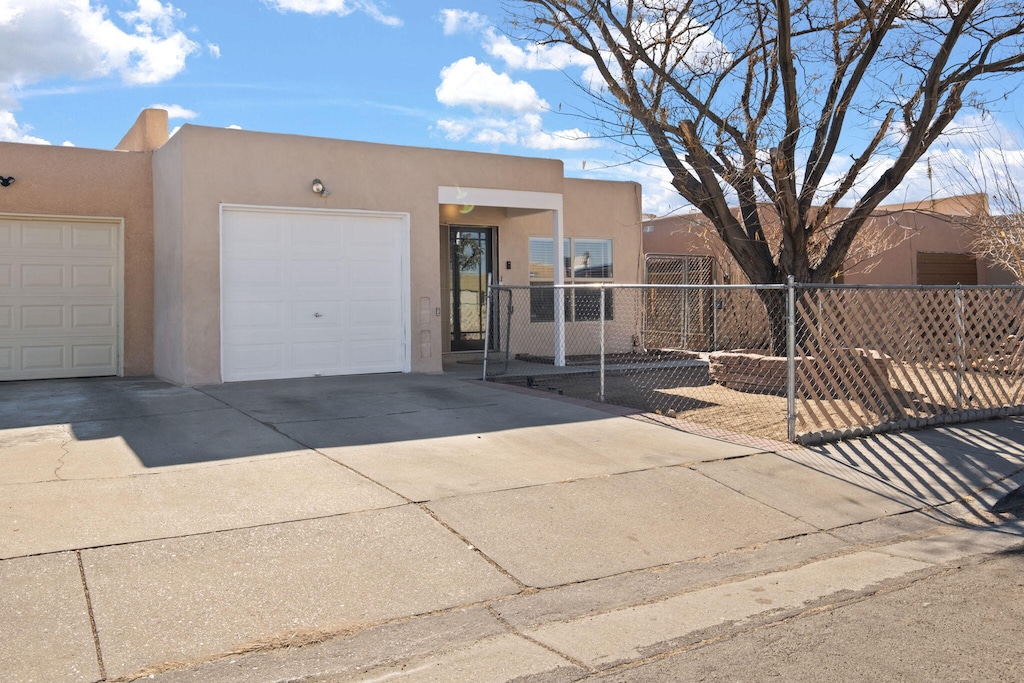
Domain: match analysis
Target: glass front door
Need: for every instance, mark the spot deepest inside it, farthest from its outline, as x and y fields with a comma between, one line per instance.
x=471, y=251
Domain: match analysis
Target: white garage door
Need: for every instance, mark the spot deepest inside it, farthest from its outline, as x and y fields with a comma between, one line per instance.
x=59, y=297
x=312, y=293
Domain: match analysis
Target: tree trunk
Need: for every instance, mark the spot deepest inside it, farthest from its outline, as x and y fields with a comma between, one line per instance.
x=774, y=302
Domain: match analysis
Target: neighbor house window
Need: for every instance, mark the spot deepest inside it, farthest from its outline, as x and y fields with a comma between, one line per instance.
x=585, y=260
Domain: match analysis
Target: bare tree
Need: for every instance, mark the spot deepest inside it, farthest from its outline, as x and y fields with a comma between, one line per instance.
x=1000, y=240
x=998, y=229
x=748, y=101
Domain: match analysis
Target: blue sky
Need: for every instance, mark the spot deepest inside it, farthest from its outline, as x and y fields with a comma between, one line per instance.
x=411, y=72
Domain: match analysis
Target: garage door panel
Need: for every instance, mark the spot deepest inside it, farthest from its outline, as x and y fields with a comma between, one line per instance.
x=254, y=358
x=254, y=315
x=59, y=296
x=35, y=357
x=316, y=235
x=93, y=316
x=318, y=357
x=46, y=236
x=47, y=318
x=254, y=272
x=373, y=313
x=93, y=277
x=92, y=238
x=258, y=229
x=372, y=275
x=88, y=356
x=371, y=356
x=307, y=272
x=42, y=275
x=343, y=284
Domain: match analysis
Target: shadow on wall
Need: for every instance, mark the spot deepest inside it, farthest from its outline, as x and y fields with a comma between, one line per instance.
x=168, y=425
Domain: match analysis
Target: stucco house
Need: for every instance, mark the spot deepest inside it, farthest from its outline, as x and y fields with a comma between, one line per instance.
x=926, y=243
x=221, y=255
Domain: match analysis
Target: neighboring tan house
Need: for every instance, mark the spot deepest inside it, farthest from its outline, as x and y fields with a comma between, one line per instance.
x=224, y=255
x=925, y=243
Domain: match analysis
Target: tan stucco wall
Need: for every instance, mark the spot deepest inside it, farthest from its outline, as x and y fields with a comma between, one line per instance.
x=932, y=226
x=149, y=132
x=169, y=321
x=220, y=166
x=70, y=181
x=924, y=232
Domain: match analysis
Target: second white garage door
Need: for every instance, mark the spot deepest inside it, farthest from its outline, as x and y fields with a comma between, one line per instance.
x=308, y=293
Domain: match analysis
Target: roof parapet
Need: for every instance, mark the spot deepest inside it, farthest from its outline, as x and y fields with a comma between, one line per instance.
x=149, y=132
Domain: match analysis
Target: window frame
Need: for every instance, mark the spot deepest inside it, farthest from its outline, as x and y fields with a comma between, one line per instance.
x=543, y=312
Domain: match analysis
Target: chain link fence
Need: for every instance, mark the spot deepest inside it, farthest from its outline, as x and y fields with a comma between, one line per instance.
x=797, y=363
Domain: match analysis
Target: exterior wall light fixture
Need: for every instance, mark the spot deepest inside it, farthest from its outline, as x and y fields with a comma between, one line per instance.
x=4, y=182
x=318, y=187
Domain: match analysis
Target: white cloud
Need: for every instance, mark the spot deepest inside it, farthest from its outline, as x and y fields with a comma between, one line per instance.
x=570, y=138
x=150, y=13
x=469, y=83
x=176, y=111
x=455, y=130
x=12, y=131
x=43, y=39
x=526, y=131
x=213, y=49
x=340, y=7
x=533, y=56
x=461, y=21
x=234, y=126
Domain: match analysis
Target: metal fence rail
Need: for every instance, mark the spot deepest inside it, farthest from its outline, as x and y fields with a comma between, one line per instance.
x=848, y=360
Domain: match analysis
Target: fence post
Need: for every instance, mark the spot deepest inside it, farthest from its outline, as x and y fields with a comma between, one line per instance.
x=960, y=351
x=602, y=343
x=790, y=360
x=487, y=323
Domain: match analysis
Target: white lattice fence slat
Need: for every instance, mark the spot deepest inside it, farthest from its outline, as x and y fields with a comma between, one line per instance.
x=903, y=344
x=889, y=343
x=819, y=393
x=853, y=381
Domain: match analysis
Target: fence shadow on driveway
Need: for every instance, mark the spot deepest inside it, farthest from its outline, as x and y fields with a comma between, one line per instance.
x=975, y=464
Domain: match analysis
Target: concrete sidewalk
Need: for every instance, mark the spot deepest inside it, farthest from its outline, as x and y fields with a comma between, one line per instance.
x=432, y=527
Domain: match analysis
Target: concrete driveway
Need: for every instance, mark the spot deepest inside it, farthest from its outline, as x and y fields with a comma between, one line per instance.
x=146, y=528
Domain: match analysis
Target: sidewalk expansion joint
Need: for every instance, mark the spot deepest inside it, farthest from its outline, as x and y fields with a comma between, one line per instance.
x=92, y=616
x=504, y=572
x=749, y=497
x=519, y=634
x=211, y=532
